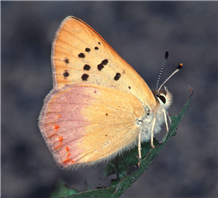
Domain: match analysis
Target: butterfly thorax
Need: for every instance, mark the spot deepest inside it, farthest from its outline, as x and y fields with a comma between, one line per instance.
x=163, y=102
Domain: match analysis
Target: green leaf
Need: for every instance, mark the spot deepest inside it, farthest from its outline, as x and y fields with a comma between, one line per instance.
x=127, y=167
x=62, y=190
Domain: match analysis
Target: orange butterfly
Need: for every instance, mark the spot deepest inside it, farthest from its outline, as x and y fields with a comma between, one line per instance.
x=99, y=106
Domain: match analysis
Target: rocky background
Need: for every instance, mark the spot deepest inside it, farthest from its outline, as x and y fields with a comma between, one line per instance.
x=140, y=32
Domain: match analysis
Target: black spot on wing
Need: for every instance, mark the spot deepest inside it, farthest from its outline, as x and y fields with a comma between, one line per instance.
x=87, y=49
x=66, y=74
x=81, y=55
x=66, y=60
x=100, y=66
x=86, y=67
x=117, y=76
x=105, y=62
x=85, y=77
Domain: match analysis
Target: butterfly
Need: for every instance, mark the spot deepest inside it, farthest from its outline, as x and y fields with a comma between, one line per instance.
x=99, y=105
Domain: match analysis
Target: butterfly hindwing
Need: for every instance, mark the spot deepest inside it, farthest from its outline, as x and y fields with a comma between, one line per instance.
x=85, y=123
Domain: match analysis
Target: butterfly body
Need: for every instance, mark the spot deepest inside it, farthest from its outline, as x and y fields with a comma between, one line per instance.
x=99, y=106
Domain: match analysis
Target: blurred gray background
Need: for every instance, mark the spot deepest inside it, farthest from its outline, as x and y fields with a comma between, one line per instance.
x=140, y=32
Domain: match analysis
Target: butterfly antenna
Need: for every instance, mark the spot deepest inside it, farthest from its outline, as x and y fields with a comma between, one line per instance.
x=177, y=70
x=161, y=69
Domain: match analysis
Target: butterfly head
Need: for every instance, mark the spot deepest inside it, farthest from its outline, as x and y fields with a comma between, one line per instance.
x=163, y=97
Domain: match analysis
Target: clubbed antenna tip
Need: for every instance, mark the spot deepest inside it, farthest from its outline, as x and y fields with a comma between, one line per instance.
x=178, y=68
x=166, y=55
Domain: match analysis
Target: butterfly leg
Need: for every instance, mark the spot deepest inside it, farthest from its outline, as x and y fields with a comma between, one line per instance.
x=139, y=145
x=139, y=149
x=165, y=118
x=152, y=133
x=168, y=115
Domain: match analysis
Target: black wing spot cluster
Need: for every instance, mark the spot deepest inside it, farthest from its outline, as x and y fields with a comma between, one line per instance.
x=87, y=67
x=96, y=48
x=102, y=64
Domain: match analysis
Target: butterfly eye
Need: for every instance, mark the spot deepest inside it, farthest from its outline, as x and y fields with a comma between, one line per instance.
x=162, y=98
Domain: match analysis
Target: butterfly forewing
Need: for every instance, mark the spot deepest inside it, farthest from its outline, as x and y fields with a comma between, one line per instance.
x=81, y=55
